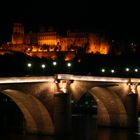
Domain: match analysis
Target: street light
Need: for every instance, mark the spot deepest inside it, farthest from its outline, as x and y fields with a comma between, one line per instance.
x=102, y=70
x=29, y=65
x=54, y=63
x=43, y=66
x=69, y=64
x=136, y=70
x=127, y=69
x=112, y=71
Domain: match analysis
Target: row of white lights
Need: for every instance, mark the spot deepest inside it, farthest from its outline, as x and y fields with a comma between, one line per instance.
x=126, y=69
x=43, y=66
x=103, y=70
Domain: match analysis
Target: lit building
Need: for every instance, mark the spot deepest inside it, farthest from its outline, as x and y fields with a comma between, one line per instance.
x=51, y=41
x=18, y=34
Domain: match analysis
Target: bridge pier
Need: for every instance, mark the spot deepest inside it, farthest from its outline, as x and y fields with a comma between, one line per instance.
x=62, y=113
x=132, y=104
x=132, y=113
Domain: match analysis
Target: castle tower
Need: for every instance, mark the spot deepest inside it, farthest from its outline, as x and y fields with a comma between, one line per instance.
x=18, y=34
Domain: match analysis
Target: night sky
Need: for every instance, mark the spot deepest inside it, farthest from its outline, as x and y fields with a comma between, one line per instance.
x=116, y=19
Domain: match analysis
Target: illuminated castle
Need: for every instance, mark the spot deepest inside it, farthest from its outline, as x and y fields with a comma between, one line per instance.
x=51, y=41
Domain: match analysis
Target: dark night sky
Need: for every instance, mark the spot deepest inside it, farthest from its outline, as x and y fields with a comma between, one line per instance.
x=118, y=19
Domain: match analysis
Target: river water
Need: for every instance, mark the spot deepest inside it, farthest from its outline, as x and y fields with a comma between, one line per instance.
x=83, y=128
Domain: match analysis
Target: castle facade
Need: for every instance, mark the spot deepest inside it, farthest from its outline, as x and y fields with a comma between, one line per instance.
x=50, y=41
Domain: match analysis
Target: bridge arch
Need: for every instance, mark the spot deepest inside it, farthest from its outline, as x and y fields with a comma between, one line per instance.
x=37, y=117
x=111, y=110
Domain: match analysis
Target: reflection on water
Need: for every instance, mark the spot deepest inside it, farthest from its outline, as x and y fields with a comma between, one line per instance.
x=83, y=128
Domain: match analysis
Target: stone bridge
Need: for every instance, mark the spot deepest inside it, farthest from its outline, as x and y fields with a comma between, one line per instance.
x=45, y=100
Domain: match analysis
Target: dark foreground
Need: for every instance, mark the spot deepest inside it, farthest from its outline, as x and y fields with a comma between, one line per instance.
x=83, y=128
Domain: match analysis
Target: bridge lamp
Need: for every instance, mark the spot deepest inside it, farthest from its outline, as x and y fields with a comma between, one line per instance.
x=29, y=65
x=43, y=66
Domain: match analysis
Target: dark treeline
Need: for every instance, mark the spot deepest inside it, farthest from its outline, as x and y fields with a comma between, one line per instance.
x=82, y=64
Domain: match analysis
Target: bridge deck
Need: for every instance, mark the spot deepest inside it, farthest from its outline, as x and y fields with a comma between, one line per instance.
x=31, y=79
